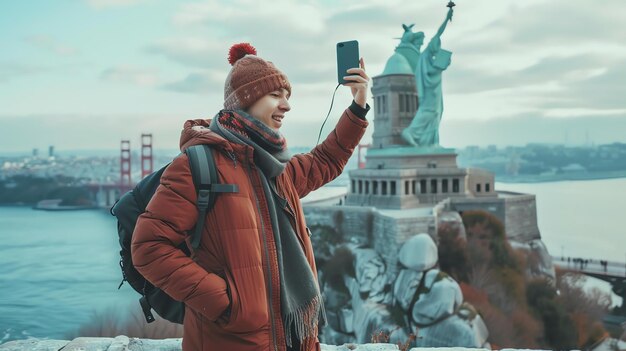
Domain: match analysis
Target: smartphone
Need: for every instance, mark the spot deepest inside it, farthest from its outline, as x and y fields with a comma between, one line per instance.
x=347, y=57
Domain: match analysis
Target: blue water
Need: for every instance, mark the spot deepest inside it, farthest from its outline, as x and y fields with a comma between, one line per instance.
x=56, y=270
x=580, y=218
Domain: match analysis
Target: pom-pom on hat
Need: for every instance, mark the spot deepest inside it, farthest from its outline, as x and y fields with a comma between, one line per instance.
x=250, y=78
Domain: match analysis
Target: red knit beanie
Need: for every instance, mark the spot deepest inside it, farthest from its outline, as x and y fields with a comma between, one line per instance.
x=250, y=78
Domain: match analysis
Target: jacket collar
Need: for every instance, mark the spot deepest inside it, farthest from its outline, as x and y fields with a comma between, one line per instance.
x=270, y=165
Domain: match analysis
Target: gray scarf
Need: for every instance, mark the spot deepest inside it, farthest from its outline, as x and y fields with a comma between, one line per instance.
x=302, y=305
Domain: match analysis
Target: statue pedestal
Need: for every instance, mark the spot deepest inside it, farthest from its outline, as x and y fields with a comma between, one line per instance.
x=402, y=177
x=403, y=157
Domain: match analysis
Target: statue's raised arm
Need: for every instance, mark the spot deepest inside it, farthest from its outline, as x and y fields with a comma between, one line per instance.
x=437, y=36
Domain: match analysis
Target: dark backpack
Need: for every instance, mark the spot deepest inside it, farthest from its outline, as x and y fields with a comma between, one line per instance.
x=133, y=203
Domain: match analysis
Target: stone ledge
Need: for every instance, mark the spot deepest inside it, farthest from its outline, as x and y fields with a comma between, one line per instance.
x=124, y=343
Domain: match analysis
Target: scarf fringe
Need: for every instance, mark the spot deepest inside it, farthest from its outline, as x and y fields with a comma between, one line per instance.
x=305, y=319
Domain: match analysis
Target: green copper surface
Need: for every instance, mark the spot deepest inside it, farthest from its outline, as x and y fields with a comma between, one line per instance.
x=431, y=62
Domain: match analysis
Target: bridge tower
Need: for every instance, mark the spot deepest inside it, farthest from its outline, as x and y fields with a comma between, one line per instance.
x=147, y=162
x=125, y=180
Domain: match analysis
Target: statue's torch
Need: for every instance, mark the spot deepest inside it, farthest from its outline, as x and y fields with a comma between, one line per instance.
x=451, y=4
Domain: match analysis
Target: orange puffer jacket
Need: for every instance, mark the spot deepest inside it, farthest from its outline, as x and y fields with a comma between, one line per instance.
x=236, y=248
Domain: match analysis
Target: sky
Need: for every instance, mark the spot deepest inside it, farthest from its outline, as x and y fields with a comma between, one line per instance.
x=85, y=74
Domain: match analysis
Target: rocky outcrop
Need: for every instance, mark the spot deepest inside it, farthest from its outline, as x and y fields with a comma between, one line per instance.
x=539, y=263
x=419, y=299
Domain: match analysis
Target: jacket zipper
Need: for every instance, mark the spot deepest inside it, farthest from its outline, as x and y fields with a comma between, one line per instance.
x=269, y=269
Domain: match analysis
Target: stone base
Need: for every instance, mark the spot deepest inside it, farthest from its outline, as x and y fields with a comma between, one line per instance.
x=410, y=157
x=411, y=151
x=124, y=343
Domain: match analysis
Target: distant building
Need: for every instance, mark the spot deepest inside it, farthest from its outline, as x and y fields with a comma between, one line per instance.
x=573, y=168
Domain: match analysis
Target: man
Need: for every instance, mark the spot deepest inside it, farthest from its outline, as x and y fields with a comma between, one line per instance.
x=252, y=282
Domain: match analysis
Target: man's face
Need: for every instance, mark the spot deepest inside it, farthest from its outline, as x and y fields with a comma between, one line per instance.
x=271, y=108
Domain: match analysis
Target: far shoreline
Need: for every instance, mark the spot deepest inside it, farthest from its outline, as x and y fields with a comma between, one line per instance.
x=561, y=177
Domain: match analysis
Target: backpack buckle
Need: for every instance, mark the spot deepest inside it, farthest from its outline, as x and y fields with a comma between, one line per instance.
x=145, y=306
x=203, y=198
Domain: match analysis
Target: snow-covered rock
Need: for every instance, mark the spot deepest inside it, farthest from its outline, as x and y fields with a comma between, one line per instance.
x=451, y=331
x=370, y=274
x=539, y=262
x=371, y=304
x=405, y=287
x=441, y=298
x=419, y=253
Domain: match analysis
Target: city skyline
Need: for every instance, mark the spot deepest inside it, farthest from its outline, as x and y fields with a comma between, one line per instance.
x=86, y=74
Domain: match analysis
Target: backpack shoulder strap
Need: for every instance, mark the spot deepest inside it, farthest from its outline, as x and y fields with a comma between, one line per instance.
x=204, y=174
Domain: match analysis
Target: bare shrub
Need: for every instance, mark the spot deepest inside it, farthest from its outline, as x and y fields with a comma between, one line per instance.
x=383, y=336
x=595, y=303
x=324, y=239
x=515, y=329
x=102, y=324
x=110, y=324
x=338, y=219
x=527, y=330
x=339, y=265
x=481, y=276
x=559, y=329
x=586, y=308
x=453, y=255
x=501, y=330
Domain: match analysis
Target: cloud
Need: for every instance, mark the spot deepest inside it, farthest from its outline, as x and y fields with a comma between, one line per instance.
x=12, y=70
x=588, y=82
x=534, y=128
x=564, y=23
x=500, y=49
x=548, y=27
x=603, y=91
x=51, y=45
x=562, y=70
x=103, y=4
x=129, y=74
x=304, y=64
x=305, y=50
x=278, y=35
x=245, y=17
x=531, y=56
x=87, y=131
x=198, y=82
x=552, y=54
x=191, y=52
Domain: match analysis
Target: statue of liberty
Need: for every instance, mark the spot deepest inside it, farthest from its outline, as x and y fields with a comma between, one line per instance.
x=424, y=128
